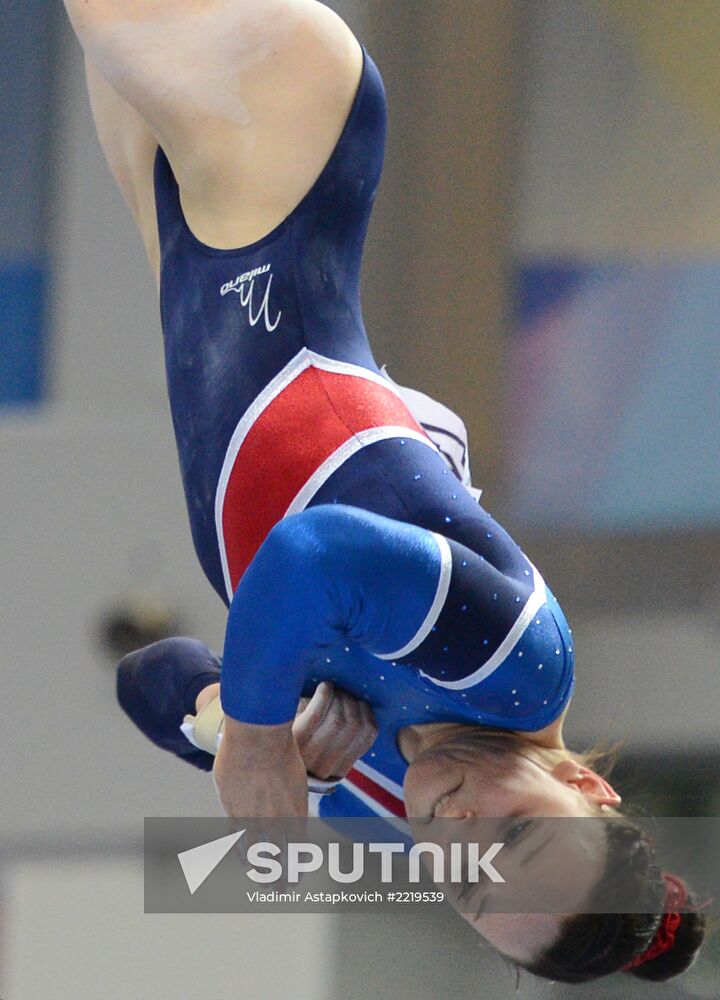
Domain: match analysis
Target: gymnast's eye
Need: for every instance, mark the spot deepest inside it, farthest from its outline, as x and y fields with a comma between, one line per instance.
x=515, y=832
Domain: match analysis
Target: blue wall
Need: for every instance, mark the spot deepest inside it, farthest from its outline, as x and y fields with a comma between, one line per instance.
x=26, y=86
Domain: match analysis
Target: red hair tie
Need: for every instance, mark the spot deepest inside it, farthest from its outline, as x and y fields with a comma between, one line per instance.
x=676, y=896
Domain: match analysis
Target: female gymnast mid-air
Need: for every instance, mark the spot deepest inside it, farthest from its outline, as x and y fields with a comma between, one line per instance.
x=384, y=633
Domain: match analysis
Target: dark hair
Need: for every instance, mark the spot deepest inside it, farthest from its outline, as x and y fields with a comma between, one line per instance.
x=598, y=944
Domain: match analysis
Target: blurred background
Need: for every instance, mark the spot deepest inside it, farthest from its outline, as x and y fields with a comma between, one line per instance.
x=544, y=258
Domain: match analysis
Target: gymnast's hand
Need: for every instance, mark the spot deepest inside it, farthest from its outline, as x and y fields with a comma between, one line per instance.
x=332, y=730
x=259, y=772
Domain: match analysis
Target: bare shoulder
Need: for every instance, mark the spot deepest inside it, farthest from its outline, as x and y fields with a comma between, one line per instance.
x=247, y=98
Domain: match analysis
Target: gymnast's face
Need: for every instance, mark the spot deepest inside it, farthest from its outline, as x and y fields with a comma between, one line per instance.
x=458, y=780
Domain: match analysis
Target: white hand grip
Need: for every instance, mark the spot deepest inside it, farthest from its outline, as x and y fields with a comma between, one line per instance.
x=205, y=731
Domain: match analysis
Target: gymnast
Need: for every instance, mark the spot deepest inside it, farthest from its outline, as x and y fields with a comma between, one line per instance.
x=388, y=645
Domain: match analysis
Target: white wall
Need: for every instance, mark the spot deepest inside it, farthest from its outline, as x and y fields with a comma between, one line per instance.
x=77, y=931
x=652, y=679
x=91, y=512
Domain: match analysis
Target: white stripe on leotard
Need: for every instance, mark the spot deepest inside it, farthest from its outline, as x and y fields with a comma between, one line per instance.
x=535, y=602
x=303, y=360
x=443, y=586
x=356, y=443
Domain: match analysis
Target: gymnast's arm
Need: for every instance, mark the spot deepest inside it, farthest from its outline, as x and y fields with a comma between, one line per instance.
x=330, y=732
x=329, y=574
x=338, y=573
x=332, y=729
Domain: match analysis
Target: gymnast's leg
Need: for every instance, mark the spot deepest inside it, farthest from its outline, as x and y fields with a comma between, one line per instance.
x=161, y=684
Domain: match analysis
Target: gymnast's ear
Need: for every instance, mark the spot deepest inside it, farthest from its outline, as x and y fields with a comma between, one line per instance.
x=595, y=788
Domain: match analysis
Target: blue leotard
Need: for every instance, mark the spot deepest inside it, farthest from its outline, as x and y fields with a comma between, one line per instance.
x=321, y=511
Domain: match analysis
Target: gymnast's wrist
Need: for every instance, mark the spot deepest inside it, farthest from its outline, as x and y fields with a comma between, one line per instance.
x=258, y=744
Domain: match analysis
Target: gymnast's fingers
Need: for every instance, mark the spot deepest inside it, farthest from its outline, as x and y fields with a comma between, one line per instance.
x=346, y=732
x=312, y=713
x=360, y=739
